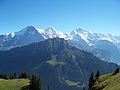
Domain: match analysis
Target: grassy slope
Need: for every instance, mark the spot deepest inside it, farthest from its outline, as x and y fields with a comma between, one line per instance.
x=15, y=84
x=108, y=82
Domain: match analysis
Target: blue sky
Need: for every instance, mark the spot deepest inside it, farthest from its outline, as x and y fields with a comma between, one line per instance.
x=64, y=15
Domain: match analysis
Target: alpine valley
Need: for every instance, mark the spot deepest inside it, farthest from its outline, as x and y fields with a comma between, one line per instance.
x=63, y=60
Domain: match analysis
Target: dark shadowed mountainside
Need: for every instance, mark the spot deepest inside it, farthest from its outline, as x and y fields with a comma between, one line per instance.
x=60, y=65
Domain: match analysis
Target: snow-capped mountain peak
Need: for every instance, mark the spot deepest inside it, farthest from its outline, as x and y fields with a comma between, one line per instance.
x=83, y=34
x=7, y=35
x=41, y=30
x=92, y=37
x=12, y=34
x=81, y=38
x=50, y=29
x=80, y=33
x=51, y=33
x=28, y=29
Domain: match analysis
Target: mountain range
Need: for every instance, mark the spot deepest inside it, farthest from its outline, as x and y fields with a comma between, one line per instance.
x=59, y=64
x=104, y=46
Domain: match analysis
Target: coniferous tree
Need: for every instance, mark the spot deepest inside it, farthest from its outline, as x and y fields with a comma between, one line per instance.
x=32, y=83
x=91, y=81
x=83, y=88
x=48, y=88
x=40, y=83
x=23, y=75
x=97, y=75
x=116, y=71
x=35, y=83
x=28, y=75
x=13, y=76
x=3, y=76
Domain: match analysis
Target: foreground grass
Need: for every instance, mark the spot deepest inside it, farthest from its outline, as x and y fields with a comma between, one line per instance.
x=14, y=84
x=108, y=82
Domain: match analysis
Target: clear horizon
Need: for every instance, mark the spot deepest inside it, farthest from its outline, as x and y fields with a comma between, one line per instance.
x=100, y=16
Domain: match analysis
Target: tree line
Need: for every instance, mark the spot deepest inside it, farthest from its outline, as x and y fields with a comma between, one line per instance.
x=35, y=80
x=14, y=76
x=93, y=78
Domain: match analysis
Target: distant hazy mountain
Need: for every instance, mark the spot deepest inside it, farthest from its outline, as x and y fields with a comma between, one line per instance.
x=60, y=65
x=104, y=46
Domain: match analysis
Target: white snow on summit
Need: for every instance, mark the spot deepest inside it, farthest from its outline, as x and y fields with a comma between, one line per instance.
x=88, y=36
x=99, y=44
x=51, y=33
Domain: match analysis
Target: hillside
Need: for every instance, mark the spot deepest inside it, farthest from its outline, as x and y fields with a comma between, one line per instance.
x=60, y=65
x=108, y=82
x=14, y=84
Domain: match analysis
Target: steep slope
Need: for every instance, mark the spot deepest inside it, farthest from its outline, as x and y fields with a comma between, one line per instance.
x=108, y=82
x=60, y=65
